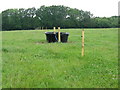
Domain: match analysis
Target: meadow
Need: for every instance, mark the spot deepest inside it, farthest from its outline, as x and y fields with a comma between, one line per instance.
x=28, y=61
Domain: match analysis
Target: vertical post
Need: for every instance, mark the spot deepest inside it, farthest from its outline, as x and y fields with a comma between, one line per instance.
x=58, y=34
x=83, y=42
x=54, y=30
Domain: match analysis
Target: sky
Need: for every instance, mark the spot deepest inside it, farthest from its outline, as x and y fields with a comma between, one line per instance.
x=99, y=8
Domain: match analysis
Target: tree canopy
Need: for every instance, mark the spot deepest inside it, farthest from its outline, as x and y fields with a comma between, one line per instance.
x=54, y=16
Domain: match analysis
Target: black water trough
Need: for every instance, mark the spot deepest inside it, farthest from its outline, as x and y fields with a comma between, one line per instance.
x=51, y=37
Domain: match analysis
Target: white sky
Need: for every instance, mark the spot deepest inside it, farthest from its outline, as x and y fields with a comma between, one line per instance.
x=99, y=8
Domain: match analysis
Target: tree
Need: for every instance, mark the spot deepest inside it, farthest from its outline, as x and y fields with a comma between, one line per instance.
x=54, y=16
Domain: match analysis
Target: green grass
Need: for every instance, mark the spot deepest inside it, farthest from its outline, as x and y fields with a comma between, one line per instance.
x=30, y=62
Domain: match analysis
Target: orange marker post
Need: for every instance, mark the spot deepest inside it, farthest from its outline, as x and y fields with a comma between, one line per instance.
x=83, y=42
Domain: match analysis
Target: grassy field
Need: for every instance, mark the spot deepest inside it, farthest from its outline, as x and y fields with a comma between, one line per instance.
x=30, y=62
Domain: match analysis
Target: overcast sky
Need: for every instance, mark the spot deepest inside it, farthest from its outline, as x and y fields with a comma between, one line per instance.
x=99, y=8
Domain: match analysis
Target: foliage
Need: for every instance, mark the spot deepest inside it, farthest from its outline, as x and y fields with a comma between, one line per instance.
x=54, y=16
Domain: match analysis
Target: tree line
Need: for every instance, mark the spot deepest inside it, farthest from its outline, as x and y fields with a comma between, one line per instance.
x=53, y=16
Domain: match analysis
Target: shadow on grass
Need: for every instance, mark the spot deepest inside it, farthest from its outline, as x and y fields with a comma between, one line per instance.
x=42, y=42
x=45, y=42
